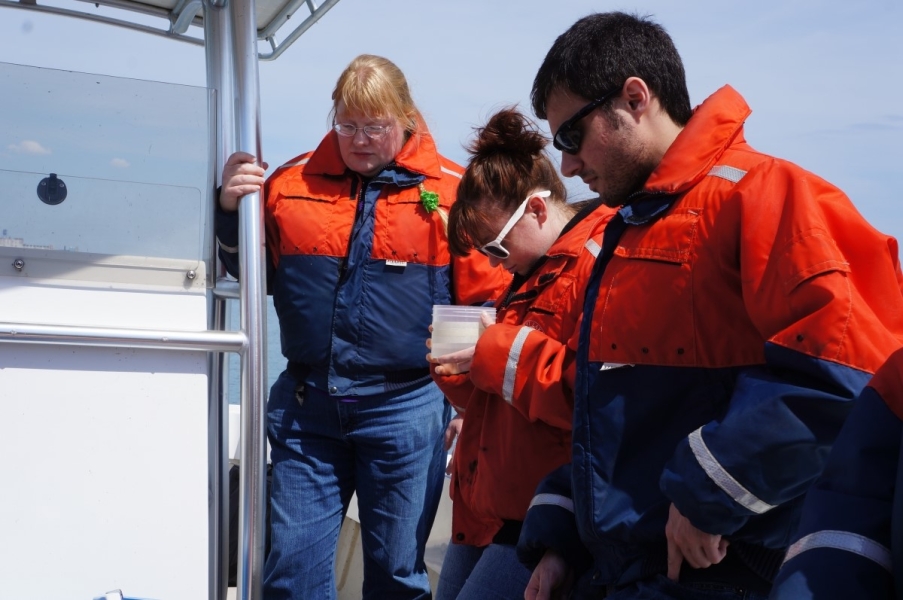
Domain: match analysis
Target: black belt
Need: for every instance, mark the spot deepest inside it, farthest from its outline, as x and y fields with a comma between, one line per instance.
x=395, y=380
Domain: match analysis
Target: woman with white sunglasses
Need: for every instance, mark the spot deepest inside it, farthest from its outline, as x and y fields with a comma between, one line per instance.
x=514, y=387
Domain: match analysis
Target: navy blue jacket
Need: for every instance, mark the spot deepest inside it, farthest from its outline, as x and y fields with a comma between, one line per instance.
x=850, y=540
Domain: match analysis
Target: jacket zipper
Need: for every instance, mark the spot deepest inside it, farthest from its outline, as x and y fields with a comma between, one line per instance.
x=343, y=265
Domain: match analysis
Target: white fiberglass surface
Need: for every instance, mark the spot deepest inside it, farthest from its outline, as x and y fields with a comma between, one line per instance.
x=104, y=467
x=104, y=450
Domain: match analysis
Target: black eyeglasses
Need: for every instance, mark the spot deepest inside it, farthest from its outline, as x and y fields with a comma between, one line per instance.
x=568, y=137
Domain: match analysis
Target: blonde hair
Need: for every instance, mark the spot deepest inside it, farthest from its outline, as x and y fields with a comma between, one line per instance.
x=376, y=87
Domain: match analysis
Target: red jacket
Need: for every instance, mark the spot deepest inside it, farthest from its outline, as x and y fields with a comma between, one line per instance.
x=517, y=399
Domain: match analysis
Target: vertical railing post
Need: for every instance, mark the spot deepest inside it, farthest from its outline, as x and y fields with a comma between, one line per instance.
x=253, y=316
x=218, y=53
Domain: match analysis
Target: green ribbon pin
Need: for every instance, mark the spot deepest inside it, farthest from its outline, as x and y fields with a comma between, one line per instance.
x=430, y=200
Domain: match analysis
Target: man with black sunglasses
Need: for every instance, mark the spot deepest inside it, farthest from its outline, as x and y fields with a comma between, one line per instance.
x=738, y=306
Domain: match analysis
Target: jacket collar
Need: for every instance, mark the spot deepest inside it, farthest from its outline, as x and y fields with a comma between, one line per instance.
x=564, y=247
x=418, y=156
x=561, y=246
x=714, y=126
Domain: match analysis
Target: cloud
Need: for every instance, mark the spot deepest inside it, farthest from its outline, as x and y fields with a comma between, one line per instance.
x=120, y=163
x=29, y=147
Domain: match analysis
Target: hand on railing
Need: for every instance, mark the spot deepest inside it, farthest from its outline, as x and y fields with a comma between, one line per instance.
x=241, y=176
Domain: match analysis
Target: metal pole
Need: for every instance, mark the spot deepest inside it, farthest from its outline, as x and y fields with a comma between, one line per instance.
x=219, y=78
x=218, y=461
x=253, y=296
x=119, y=337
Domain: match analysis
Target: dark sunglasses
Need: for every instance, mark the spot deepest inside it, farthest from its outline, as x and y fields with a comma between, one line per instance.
x=568, y=137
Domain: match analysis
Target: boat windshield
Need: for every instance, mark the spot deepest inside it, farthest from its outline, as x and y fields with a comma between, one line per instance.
x=103, y=165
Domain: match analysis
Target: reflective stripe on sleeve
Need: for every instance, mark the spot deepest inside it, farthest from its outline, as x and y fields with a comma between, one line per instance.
x=552, y=500
x=842, y=540
x=511, y=365
x=722, y=478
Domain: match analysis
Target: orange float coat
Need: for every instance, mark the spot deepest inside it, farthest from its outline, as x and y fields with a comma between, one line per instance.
x=738, y=306
x=357, y=264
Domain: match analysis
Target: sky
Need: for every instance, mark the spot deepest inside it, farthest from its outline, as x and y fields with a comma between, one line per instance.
x=823, y=78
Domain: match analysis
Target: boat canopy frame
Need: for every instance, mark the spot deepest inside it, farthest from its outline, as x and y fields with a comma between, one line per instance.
x=271, y=16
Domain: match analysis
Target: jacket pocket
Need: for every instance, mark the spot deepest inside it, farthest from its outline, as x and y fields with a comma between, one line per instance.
x=646, y=312
x=318, y=226
x=670, y=239
x=405, y=232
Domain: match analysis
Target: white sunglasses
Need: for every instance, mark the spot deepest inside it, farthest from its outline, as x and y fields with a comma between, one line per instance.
x=495, y=248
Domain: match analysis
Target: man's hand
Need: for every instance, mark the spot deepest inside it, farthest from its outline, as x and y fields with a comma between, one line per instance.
x=686, y=543
x=241, y=176
x=551, y=580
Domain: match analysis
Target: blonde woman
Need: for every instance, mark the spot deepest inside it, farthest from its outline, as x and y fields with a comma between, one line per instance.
x=358, y=254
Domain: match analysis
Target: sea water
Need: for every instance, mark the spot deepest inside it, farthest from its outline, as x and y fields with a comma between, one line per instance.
x=275, y=360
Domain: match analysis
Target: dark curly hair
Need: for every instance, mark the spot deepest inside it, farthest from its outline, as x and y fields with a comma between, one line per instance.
x=508, y=161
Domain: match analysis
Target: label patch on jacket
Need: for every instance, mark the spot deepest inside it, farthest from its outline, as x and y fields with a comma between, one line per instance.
x=610, y=366
x=396, y=263
x=532, y=324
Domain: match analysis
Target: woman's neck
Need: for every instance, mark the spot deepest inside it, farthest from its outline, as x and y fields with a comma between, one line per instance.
x=560, y=215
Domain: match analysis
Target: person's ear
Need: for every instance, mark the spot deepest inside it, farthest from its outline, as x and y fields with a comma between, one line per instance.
x=537, y=207
x=637, y=96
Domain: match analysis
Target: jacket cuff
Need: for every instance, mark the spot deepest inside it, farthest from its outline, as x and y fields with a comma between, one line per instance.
x=550, y=524
x=457, y=388
x=225, y=226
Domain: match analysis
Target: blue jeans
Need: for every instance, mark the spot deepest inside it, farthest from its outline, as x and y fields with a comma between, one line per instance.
x=488, y=573
x=662, y=588
x=389, y=448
